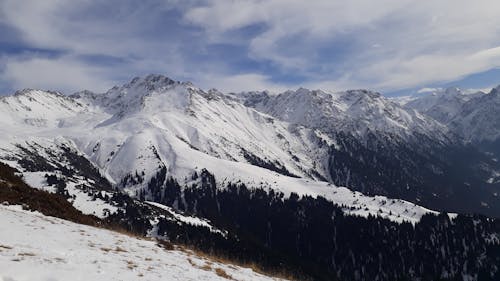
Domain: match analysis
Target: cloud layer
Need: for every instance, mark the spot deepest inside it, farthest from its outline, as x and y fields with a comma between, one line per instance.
x=385, y=45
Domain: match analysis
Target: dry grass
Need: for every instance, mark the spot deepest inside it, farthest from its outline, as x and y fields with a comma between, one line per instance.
x=117, y=249
x=281, y=274
x=26, y=254
x=17, y=192
x=167, y=245
x=234, y=264
x=207, y=267
x=131, y=265
x=104, y=249
x=191, y=262
x=119, y=229
x=120, y=249
x=222, y=273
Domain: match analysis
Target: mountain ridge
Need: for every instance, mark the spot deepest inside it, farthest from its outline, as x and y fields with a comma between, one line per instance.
x=290, y=142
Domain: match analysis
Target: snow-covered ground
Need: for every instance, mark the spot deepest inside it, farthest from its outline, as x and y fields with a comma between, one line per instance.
x=37, y=247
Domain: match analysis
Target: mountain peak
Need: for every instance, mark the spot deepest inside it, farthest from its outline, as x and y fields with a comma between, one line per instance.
x=150, y=82
x=452, y=91
x=139, y=87
x=302, y=90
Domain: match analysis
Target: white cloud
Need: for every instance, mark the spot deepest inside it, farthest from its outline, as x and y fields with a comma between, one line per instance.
x=240, y=82
x=332, y=44
x=86, y=27
x=63, y=74
x=418, y=42
x=428, y=90
x=429, y=68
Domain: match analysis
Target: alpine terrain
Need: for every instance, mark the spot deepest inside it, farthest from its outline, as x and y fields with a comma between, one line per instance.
x=310, y=184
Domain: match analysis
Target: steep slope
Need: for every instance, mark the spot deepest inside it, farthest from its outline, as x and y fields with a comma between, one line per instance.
x=37, y=247
x=154, y=109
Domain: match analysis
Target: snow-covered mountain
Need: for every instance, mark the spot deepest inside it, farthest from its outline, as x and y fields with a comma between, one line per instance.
x=303, y=141
x=165, y=113
x=132, y=133
x=443, y=104
x=478, y=119
x=384, y=147
x=357, y=112
x=469, y=113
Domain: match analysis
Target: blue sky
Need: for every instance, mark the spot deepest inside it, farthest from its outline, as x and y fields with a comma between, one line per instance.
x=392, y=46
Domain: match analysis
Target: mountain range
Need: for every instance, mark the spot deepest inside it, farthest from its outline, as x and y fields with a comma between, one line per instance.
x=155, y=145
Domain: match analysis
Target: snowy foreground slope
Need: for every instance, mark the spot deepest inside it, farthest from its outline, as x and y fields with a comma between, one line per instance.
x=37, y=247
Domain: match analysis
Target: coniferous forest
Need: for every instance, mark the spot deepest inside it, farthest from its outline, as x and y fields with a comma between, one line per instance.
x=312, y=238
